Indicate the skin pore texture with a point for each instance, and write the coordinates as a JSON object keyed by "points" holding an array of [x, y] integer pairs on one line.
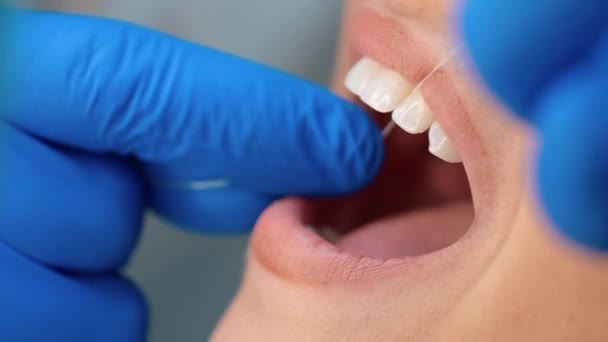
{"points": [[504, 277]]}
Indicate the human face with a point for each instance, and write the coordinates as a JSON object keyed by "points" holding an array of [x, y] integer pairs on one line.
{"points": [[431, 251]]}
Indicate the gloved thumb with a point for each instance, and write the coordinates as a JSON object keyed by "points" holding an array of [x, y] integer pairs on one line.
{"points": [[573, 166], [546, 59]]}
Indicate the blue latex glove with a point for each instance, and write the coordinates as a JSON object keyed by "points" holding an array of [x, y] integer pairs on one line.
{"points": [[548, 60], [100, 119]]}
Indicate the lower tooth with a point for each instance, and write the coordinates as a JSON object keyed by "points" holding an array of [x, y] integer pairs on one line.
{"points": [[441, 146]]}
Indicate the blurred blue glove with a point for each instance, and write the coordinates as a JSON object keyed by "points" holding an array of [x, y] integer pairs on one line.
{"points": [[101, 119], [548, 60]]}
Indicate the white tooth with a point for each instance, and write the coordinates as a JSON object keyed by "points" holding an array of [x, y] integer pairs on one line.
{"points": [[413, 114], [440, 145], [385, 90], [360, 74]]}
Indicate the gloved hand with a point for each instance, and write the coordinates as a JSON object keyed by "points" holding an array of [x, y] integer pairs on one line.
{"points": [[102, 119], [548, 60]]}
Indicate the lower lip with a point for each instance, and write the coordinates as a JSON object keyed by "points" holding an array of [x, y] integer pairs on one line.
{"points": [[283, 245]]}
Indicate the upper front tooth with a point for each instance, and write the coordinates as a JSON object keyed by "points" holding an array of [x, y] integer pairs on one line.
{"points": [[413, 114], [360, 74], [441, 146], [385, 90]]}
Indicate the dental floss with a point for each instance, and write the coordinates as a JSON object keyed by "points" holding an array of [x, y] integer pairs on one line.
{"points": [[389, 127]]}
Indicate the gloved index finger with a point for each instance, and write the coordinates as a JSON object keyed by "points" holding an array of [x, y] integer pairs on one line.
{"points": [[187, 112]]}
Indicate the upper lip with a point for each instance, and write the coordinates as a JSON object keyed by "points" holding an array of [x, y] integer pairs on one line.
{"points": [[397, 45], [282, 243]]}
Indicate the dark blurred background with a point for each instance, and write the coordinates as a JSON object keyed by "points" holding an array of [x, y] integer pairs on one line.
{"points": [[190, 279]]}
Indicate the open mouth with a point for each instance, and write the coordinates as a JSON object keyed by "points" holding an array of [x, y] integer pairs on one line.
{"points": [[421, 200], [429, 195], [420, 203], [417, 205]]}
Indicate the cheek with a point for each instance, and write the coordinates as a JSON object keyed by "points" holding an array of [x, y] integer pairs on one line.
{"points": [[537, 289]]}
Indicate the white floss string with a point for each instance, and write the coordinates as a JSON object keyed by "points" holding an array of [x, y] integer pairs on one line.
{"points": [[389, 127]]}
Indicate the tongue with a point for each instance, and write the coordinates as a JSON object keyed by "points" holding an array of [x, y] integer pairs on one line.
{"points": [[410, 234]]}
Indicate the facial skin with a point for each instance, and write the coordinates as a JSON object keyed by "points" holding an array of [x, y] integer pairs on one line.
{"points": [[508, 278]]}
